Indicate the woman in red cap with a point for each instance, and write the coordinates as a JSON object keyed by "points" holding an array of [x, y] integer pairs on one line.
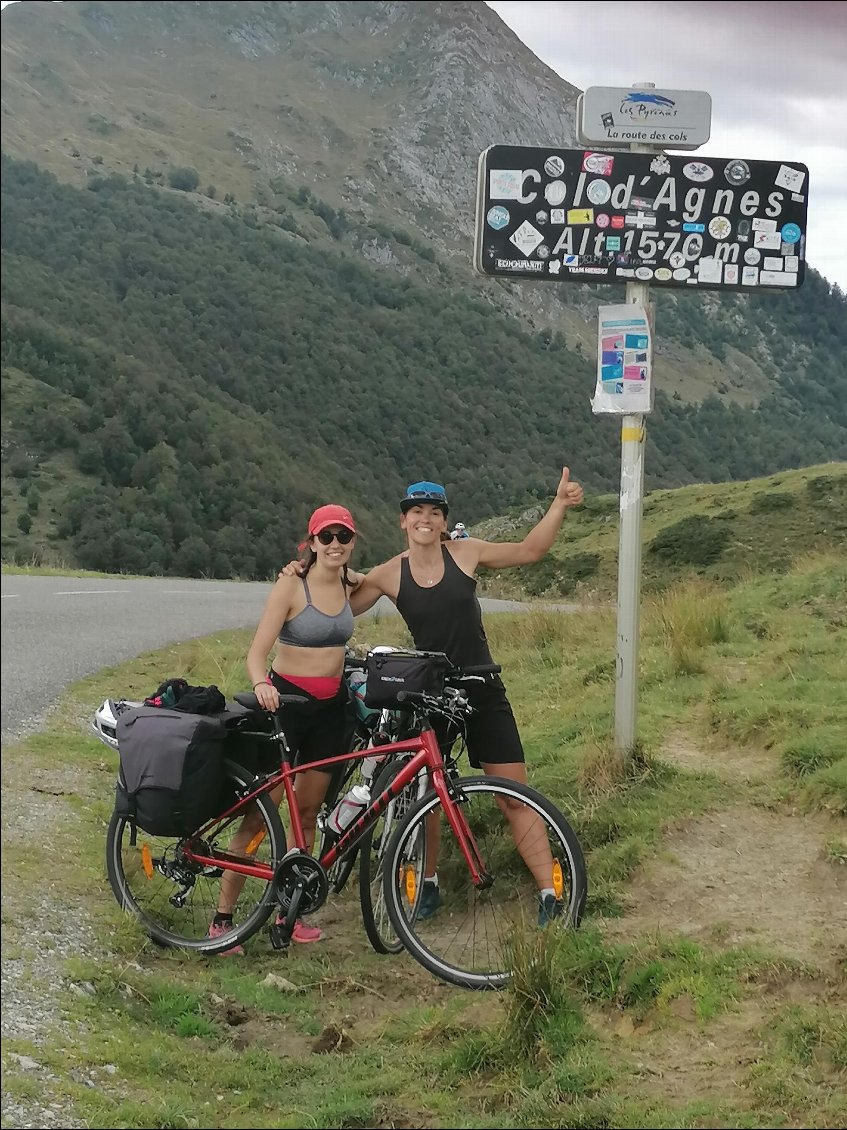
{"points": [[308, 618]]}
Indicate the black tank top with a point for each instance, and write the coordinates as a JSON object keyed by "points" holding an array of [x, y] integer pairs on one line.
{"points": [[446, 617]]}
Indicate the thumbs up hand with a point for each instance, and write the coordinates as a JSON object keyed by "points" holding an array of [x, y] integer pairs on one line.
{"points": [[570, 493]]}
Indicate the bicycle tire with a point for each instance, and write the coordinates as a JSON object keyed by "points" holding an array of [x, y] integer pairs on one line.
{"points": [[372, 852], [146, 877], [469, 941]]}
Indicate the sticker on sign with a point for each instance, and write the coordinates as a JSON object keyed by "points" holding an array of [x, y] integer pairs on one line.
{"points": [[526, 238]]}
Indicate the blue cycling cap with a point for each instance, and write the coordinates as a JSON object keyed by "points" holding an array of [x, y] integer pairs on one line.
{"points": [[424, 492]]}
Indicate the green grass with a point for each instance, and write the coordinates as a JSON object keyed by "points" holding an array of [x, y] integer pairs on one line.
{"points": [[723, 532], [166, 1040]]}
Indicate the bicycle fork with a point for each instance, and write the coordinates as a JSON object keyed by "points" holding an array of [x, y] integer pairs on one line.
{"points": [[451, 801]]}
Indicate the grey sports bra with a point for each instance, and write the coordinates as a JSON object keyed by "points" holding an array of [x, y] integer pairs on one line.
{"points": [[313, 628]]}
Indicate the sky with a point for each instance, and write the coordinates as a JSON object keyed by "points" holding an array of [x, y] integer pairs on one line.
{"points": [[776, 72]]}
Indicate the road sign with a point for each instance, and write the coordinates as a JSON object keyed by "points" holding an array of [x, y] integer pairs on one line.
{"points": [[623, 115], [710, 223]]}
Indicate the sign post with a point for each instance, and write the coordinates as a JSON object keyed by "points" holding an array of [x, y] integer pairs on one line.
{"points": [[623, 210], [631, 505]]}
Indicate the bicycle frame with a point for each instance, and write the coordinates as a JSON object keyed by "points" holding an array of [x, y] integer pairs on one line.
{"points": [[425, 755]]}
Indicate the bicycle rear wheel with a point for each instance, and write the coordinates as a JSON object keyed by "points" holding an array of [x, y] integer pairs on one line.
{"points": [[175, 899], [372, 853], [470, 940]]}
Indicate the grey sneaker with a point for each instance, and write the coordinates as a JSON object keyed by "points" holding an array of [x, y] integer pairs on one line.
{"points": [[430, 900], [549, 909]]}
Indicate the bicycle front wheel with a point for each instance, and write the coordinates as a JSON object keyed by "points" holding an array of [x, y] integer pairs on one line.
{"points": [[175, 899], [373, 850], [524, 844]]}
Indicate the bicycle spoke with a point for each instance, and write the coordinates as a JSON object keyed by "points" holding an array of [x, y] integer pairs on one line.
{"points": [[375, 917], [470, 938], [175, 899]]}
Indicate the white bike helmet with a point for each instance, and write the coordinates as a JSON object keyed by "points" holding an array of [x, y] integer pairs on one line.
{"points": [[105, 720]]}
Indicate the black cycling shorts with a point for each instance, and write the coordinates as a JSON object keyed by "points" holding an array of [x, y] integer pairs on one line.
{"points": [[491, 731], [321, 728]]}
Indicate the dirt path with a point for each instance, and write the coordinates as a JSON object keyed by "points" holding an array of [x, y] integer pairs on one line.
{"points": [[745, 874]]}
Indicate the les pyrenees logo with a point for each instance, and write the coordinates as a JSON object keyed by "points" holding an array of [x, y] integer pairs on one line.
{"points": [[642, 104]]}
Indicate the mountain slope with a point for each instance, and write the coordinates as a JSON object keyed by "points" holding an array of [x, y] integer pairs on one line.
{"points": [[181, 389], [363, 100], [192, 358], [378, 108]]}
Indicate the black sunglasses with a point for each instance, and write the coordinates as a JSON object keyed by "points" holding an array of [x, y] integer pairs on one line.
{"points": [[342, 536]]}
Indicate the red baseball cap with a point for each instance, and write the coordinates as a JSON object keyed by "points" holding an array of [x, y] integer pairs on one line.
{"points": [[330, 515]]}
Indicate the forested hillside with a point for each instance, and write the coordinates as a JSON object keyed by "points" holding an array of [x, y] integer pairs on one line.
{"points": [[255, 293], [181, 386]]}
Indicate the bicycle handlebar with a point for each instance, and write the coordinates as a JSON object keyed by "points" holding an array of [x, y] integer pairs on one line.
{"points": [[353, 663], [473, 672], [414, 696]]}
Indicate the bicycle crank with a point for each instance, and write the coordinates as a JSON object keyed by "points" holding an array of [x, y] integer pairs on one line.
{"points": [[300, 883]]}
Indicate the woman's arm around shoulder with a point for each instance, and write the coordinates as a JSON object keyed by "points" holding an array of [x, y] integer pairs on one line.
{"points": [[374, 584]]}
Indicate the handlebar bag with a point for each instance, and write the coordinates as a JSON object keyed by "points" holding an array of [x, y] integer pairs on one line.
{"points": [[170, 777], [389, 672]]}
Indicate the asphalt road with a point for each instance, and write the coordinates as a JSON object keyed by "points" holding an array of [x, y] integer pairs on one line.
{"points": [[56, 630]]}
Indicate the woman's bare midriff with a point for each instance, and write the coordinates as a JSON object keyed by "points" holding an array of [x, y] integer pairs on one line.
{"points": [[309, 662]]}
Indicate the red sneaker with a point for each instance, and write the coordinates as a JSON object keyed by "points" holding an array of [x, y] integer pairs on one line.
{"points": [[303, 933], [217, 930]]}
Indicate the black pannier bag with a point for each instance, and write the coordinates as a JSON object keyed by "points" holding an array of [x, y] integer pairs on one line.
{"points": [[389, 672], [245, 748], [171, 776]]}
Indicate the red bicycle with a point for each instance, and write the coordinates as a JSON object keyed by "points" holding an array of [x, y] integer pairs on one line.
{"points": [[500, 843]]}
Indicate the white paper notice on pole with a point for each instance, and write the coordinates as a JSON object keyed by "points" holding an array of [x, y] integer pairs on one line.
{"points": [[624, 362]]}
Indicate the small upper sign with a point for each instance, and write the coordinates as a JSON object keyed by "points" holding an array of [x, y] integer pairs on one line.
{"points": [[620, 115]]}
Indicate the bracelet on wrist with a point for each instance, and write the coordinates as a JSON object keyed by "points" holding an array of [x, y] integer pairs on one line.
{"points": [[259, 683]]}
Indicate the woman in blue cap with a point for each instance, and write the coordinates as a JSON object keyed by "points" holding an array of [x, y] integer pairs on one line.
{"points": [[433, 586]]}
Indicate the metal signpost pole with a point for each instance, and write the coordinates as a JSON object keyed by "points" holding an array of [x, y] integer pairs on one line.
{"points": [[633, 436], [633, 439]]}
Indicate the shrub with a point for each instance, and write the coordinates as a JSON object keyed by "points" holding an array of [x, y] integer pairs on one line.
{"points": [[696, 540], [579, 566], [769, 501], [184, 178], [825, 485]]}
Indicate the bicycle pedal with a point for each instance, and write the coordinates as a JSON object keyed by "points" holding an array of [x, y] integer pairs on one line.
{"points": [[280, 936]]}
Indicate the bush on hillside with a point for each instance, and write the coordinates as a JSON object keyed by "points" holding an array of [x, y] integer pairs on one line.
{"points": [[696, 540], [184, 178], [769, 501]]}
